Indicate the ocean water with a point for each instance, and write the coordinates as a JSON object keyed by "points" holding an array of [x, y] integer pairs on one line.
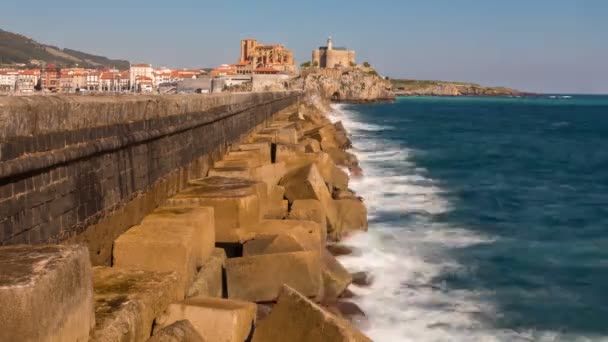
{"points": [[488, 218]]}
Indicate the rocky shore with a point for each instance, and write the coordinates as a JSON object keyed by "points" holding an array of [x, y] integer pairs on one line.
{"points": [[443, 88], [246, 253]]}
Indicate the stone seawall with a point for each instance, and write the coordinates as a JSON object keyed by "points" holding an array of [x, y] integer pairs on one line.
{"points": [[86, 168]]}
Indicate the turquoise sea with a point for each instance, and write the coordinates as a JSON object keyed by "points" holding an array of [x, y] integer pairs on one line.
{"points": [[488, 217]]}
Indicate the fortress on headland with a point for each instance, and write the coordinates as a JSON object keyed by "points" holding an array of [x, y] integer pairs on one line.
{"points": [[332, 57]]}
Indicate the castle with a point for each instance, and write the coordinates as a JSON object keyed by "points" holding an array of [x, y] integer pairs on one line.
{"points": [[261, 56], [332, 57]]}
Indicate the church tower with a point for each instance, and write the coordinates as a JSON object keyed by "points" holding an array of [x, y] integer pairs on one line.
{"points": [[329, 43]]}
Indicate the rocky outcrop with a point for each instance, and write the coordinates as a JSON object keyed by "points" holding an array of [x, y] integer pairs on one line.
{"points": [[348, 85], [442, 88]]}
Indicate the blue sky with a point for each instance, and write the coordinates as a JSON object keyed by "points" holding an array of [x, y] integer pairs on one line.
{"points": [[533, 45]]}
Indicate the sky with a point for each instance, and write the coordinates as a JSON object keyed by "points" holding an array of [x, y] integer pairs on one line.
{"points": [[552, 46]]}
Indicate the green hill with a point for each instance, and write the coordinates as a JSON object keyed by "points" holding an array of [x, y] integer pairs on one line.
{"points": [[16, 48]]}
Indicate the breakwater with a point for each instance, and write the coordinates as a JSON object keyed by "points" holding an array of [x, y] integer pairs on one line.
{"points": [[234, 207]]}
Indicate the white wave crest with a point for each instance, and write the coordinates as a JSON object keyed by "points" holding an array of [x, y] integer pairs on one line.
{"points": [[405, 302]]}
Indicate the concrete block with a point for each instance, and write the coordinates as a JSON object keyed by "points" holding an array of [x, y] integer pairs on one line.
{"points": [[46, 293], [180, 331], [264, 149], [310, 210], [218, 320], [295, 318], [231, 172], [307, 183], [235, 201], [208, 281], [159, 248], [352, 216], [200, 218], [335, 277], [127, 301], [309, 234], [270, 174], [259, 278]]}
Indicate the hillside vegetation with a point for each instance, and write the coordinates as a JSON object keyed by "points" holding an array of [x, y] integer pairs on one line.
{"points": [[16, 48]]}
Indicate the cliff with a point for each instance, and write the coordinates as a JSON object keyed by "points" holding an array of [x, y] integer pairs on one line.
{"points": [[350, 85], [443, 88]]}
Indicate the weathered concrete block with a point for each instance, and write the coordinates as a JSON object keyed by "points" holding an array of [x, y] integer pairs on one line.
{"points": [[289, 154], [208, 281], [281, 243], [352, 216], [310, 235], [259, 278], [311, 145], [307, 183], [46, 293], [264, 148], [297, 319], [335, 277], [180, 331], [235, 201], [231, 172], [200, 218], [270, 174], [127, 301], [277, 207], [310, 210], [159, 248], [221, 320], [255, 158]]}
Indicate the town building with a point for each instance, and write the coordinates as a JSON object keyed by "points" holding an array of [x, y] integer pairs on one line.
{"points": [[223, 70], [137, 70], [49, 78], [267, 56], [8, 80], [333, 57], [27, 80]]}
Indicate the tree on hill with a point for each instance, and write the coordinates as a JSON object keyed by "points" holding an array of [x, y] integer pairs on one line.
{"points": [[367, 65], [306, 64]]}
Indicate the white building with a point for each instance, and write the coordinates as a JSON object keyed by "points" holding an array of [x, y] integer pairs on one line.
{"points": [[8, 79], [140, 70]]}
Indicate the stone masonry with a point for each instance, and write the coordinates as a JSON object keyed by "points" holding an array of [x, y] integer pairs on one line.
{"points": [[84, 169]]}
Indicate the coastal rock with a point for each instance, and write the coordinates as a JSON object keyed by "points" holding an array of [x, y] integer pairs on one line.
{"points": [[297, 319], [363, 279], [354, 85], [180, 331]]}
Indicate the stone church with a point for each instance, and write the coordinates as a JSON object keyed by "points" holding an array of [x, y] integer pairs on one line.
{"points": [[333, 57]]}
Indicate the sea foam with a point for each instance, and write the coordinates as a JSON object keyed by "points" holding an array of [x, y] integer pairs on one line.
{"points": [[406, 256]]}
